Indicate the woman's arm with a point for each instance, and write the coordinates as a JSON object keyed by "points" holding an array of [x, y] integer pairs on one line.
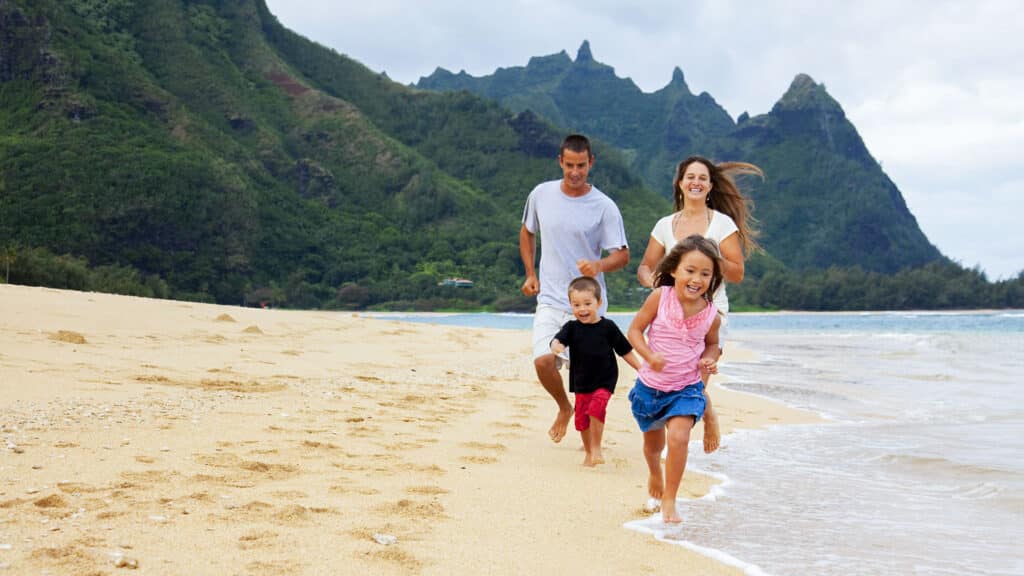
{"points": [[732, 258], [652, 255]]}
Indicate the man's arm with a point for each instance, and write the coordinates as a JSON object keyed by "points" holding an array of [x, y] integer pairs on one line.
{"points": [[527, 252], [614, 261]]}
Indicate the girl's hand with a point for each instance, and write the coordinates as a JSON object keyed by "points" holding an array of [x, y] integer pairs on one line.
{"points": [[709, 365], [657, 362]]}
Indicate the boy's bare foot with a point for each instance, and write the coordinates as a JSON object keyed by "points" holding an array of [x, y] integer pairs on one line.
{"points": [[668, 512], [557, 431], [655, 486], [589, 462], [711, 434]]}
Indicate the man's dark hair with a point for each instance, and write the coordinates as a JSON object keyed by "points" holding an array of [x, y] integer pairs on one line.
{"points": [[575, 143]]}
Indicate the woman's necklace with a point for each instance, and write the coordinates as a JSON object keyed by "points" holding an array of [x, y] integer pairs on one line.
{"points": [[683, 215]]}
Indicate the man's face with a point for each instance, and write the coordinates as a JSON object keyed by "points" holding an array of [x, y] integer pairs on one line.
{"points": [[575, 167]]}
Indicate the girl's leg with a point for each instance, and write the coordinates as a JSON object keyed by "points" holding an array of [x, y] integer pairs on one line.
{"points": [[712, 436], [654, 443], [677, 433]]}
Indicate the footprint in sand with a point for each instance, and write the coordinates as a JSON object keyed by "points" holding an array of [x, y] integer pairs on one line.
{"points": [[225, 318], [257, 539]]}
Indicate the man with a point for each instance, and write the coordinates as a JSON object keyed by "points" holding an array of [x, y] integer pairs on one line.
{"points": [[576, 223]]}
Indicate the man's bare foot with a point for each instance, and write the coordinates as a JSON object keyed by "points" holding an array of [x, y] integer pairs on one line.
{"points": [[668, 512], [711, 434], [655, 486], [557, 431]]}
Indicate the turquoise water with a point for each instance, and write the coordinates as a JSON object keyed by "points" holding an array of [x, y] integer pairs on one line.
{"points": [[918, 469], [898, 322]]}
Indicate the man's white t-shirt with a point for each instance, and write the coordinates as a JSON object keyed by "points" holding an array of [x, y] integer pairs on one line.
{"points": [[570, 228]]}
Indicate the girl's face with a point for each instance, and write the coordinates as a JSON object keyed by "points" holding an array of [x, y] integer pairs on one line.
{"points": [[696, 182], [693, 275]]}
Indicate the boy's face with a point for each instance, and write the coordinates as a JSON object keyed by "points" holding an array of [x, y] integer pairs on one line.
{"points": [[585, 306]]}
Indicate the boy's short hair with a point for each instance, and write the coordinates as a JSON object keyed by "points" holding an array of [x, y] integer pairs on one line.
{"points": [[585, 284]]}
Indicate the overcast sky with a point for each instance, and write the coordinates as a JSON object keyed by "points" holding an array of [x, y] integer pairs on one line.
{"points": [[935, 88]]}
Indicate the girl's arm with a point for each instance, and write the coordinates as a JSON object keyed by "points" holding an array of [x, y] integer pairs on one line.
{"points": [[709, 359], [732, 258], [640, 322]]}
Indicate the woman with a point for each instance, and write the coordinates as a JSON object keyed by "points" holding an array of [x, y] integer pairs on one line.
{"points": [[709, 203]]}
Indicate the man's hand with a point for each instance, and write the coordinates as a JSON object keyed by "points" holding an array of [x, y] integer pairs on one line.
{"points": [[531, 287], [589, 267]]}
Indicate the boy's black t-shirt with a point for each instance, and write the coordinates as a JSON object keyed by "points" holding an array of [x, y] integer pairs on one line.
{"points": [[592, 349]]}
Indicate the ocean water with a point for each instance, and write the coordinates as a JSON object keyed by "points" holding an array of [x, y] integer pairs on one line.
{"points": [[918, 468]]}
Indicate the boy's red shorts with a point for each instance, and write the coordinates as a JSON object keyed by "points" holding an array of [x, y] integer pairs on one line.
{"points": [[591, 404]]}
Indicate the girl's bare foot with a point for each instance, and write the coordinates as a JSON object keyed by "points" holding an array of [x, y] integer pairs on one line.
{"points": [[711, 433], [655, 486], [668, 512]]}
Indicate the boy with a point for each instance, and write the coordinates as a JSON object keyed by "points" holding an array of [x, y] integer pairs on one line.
{"points": [[593, 342]]}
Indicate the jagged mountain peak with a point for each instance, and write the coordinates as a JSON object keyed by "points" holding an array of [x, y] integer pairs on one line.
{"points": [[584, 54], [804, 93]]}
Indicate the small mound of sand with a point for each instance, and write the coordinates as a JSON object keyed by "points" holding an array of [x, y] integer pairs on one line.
{"points": [[51, 501], [254, 329], [68, 336], [225, 318]]}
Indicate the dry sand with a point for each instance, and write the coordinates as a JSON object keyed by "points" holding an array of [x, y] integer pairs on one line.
{"points": [[183, 438]]}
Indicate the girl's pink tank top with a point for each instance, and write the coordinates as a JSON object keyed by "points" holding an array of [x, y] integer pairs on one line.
{"points": [[679, 340]]}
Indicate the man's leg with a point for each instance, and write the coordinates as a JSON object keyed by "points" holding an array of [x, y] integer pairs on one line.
{"points": [[551, 379]]}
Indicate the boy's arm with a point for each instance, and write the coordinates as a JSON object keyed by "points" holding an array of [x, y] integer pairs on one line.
{"points": [[633, 359], [557, 347]]}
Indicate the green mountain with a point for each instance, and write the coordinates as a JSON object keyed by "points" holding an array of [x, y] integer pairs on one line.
{"points": [[199, 149], [825, 202]]}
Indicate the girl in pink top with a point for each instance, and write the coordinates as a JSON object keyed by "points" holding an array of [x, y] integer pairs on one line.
{"points": [[682, 325]]}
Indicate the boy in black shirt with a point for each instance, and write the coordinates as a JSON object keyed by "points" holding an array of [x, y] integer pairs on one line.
{"points": [[593, 342]]}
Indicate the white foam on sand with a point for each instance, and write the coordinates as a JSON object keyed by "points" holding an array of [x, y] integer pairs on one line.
{"points": [[675, 534]]}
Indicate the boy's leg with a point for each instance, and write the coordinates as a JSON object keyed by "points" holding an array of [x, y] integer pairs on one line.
{"points": [[596, 432], [654, 443], [583, 425], [677, 436], [597, 410]]}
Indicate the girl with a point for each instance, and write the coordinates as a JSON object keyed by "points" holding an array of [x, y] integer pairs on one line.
{"points": [[682, 342], [710, 203]]}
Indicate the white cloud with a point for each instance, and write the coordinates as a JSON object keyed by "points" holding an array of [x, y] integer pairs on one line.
{"points": [[933, 87]]}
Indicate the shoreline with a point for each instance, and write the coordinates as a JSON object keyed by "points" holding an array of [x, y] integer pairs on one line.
{"points": [[295, 442]]}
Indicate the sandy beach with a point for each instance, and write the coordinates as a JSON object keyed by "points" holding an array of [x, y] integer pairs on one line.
{"points": [[185, 438]]}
